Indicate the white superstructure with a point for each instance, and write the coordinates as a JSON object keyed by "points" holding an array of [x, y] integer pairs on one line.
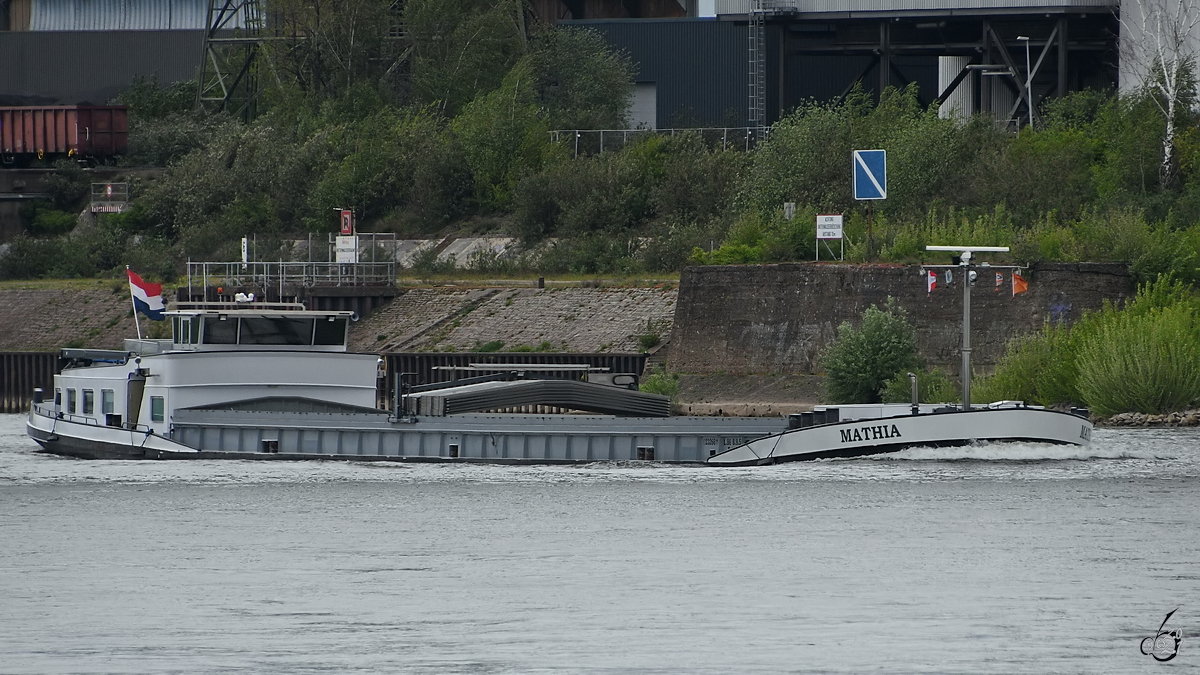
{"points": [[217, 354]]}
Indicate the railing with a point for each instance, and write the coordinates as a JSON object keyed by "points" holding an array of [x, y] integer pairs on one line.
{"points": [[266, 275], [47, 410], [375, 252], [596, 141]]}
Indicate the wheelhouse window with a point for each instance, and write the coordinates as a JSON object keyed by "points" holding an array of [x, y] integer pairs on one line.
{"points": [[220, 330], [58, 398], [330, 331], [71, 401], [186, 330], [276, 331], [157, 408], [271, 330], [89, 402], [106, 401]]}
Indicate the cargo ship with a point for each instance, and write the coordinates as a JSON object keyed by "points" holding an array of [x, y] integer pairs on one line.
{"points": [[247, 380], [261, 381], [274, 382]]}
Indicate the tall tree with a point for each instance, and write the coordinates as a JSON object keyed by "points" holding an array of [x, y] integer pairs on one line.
{"points": [[462, 48], [582, 83], [326, 47], [1158, 46]]}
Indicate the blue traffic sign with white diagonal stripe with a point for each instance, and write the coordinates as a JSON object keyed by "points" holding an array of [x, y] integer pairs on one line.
{"points": [[870, 174]]}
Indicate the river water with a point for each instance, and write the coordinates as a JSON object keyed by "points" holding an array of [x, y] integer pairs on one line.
{"points": [[998, 559]]}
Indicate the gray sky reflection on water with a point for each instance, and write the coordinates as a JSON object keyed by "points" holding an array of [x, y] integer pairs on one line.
{"points": [[992, 560]]}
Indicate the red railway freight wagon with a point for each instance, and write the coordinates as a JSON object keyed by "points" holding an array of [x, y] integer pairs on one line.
{"points": [[94, 131]]}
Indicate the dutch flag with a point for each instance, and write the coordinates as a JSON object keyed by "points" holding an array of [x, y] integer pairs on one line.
{"points": [[147, 297]]}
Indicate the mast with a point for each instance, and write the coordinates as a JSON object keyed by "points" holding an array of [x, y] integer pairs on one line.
{"points": [[966, 329], [965, 254]]}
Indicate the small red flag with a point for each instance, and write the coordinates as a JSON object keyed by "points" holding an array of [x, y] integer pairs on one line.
{"points": [[1019, 285], [930, 281]]}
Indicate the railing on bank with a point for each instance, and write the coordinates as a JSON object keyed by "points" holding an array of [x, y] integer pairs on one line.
{"points": [[596, 141], [277, 275], [375, 254]]}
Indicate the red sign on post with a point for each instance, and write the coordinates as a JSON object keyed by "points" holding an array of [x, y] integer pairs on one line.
{"points": [[347, 222]]}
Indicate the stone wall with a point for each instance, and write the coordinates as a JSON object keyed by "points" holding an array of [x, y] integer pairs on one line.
{"points": [[778, 318]]}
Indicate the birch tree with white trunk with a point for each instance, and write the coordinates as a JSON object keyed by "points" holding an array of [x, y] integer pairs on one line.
{"points": [[1158, 48]]}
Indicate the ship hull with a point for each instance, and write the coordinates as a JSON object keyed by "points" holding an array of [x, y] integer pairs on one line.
{"points": [[862, 437]]}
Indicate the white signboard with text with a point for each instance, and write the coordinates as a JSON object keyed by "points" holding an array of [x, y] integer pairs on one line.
{"points": [[829, 226], [347, 250]]}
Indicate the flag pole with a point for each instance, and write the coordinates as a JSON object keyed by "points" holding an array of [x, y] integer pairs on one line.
{"points": [[132, 302]]}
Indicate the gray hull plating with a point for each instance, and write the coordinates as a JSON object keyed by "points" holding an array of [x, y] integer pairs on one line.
{"points": [[496, 438]]}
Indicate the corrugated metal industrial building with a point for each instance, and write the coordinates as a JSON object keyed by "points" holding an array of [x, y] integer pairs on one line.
{"points": [[699, 69], [696, 66], [968, 54], [91, 67], [77, 15], [847, 8], [690, 72]]}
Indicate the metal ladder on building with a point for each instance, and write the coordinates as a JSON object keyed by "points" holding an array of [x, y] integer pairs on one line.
{"points": [[757, 14]]}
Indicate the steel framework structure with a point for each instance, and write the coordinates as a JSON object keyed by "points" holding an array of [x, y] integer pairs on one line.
{"points": [[232, 41]]}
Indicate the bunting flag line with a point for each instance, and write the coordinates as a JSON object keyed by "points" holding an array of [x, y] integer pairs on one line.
{"points": [[999, 281], [930, 282], [949, 277], [1019, 285]]}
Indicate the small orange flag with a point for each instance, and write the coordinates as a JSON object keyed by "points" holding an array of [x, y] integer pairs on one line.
{"points": [[1019, 285]]}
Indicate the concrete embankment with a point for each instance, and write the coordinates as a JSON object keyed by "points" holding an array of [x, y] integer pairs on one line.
{"points": [[565, 319], [745, 340], [38, 317]]}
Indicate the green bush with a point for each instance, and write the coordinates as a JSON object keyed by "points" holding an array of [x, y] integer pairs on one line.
{"points": [[859, 364], [1109, 359], [610, 193], [660, 383], [503, 138], [44, 221], [1039, 368], [30, 258], [933, 386], [593, 253], [582, 83], [1148, 363]]}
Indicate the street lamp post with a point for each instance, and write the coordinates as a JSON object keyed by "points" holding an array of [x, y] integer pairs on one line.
{"points": [[1028, 78]]}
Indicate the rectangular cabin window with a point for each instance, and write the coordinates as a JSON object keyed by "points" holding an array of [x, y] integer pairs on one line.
{"points": [[156, 408], [89, 402], [330, 331], [106, 401], [276, 331], [220, 331], [71, 401], [186, 330], [57, 398]]}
